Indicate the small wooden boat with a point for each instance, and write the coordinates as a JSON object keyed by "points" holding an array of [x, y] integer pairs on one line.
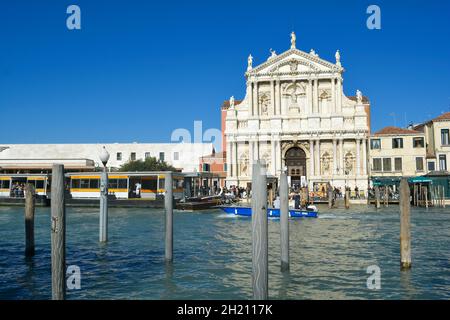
{"points": [[271, 212], [198, 203]]}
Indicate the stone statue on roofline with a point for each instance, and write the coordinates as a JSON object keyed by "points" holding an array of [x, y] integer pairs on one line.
{"points": [[232, 102], [293, 40], [250, 62], [338, 58], [273, 54], [359, 97]]}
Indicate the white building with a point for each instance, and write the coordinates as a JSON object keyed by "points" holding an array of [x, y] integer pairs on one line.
{"points": [[295, 114], [82, 157]]}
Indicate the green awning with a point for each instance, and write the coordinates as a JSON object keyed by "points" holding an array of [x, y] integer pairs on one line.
{"points": [[419, 180], [385, 181], [389, 181]]}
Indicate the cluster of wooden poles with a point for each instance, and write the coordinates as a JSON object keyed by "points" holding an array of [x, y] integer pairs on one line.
{"points": [[435, 196], [58, 230], [260, 279], [58, 227], [378, 196]]}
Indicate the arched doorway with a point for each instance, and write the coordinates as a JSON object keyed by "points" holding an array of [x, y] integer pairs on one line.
{"points": [[296, 165]]}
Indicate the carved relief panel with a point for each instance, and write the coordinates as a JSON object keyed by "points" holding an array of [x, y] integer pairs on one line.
{"points": [[294, 95]]}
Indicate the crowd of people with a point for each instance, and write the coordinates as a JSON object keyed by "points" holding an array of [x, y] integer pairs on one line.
{"points": [[295, 194], [18, 190]]}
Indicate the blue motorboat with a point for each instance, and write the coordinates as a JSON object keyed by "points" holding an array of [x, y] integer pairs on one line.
{"points": [[271, 212]]}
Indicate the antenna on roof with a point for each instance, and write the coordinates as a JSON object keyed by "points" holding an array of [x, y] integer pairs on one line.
{"points": [[392, 114]]}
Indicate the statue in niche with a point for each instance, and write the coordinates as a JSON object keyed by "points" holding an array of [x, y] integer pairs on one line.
{"points": [[265, 102], [348, 163], [244, 164], [267, 160], [326, 163]]}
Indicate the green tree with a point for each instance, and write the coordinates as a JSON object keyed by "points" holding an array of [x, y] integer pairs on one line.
{"points": [[149, 164]]}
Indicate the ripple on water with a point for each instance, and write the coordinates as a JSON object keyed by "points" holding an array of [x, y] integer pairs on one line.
{"points": [[212, 255]]}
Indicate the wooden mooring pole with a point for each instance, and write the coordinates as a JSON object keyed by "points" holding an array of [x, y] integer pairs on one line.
{"points": [[330, 196], [377, 197], [405, 225], [260, 263], [29, 220], [58, 234], [284, 221], [347, 199], [270, 198], [426, 196], [386, 196], [168, 203]]}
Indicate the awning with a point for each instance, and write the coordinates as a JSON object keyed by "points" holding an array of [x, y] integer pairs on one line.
{"points": [[385, 181], [419, 180]]}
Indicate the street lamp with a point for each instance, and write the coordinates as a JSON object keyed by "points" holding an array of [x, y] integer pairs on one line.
{"points": [[103, 232]]}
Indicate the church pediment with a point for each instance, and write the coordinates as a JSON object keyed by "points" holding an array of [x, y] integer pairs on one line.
{"points": [[294, 61]]}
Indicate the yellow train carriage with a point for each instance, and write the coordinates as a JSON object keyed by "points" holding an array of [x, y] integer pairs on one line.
{"points": [[125, 185], [40, 184], [14, 185], [5, 186], [150, 186], [88, 186]]}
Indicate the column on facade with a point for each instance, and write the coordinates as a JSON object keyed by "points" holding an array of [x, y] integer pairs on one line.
{"points": [[272, 154], [229, 153], [317, 166], [311, 157], [250, 98], [358, 158], [279, 96], [333, 95], [272, 97], [255, 99], [316, 96], [310, 97], [335, 156], [341, 156], [257, 150], [278, 156], [251, 152], [339, 95], [236, 160], [364, 152]]}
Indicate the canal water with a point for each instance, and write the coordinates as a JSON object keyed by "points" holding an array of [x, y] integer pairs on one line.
{"points": [[212, 255]]}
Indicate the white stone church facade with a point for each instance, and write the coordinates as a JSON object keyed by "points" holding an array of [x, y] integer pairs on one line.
{"points": [[296, 117]]}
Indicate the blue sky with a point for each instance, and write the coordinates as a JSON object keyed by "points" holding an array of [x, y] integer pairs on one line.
{"points": [[139, 69]]}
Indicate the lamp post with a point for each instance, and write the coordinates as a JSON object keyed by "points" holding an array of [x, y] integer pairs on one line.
{"points": [[103, 232]]}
